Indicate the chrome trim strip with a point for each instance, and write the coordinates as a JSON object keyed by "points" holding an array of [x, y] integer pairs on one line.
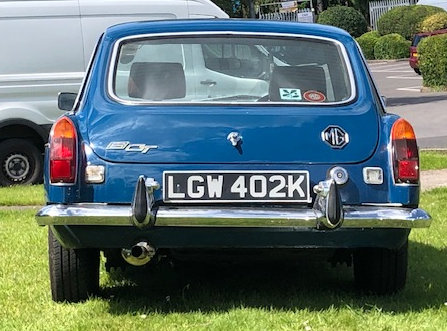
{"points": [[112, 66], [382, 204], [121, 215], [8, 78], [40, 85]]}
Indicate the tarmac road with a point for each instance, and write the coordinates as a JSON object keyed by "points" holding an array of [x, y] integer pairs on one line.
{"points": [[426, 111]]}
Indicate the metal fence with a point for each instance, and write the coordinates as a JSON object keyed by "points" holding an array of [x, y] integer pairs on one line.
{"points": [[378, 8], [301, 15]]}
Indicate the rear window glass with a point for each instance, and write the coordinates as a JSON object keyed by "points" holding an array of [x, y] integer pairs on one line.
{"points": [[416, 40], [230, 69]]}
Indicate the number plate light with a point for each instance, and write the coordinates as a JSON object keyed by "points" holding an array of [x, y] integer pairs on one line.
{"points": [[94, 174]]}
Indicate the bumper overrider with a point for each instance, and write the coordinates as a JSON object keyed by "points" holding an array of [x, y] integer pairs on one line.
{"points": [[326, 214]]}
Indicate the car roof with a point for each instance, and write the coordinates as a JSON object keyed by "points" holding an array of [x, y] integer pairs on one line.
{"points": [[222, 25], [431, 33]]}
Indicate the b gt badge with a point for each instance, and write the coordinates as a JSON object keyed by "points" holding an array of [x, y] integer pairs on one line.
{"points": [[335, 136], [128, 147]]}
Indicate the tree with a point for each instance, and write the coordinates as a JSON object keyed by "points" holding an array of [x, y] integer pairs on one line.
{"points": [[238, 8]]}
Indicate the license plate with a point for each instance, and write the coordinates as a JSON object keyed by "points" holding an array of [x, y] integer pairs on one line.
{"points": [[236, 186]]}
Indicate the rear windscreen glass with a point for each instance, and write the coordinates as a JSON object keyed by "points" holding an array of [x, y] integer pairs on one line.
{"points": [[226, 69]]}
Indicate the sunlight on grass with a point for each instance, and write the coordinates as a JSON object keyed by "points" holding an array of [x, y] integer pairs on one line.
{"points": [[309, 296], [433, 160], [22, 196]]}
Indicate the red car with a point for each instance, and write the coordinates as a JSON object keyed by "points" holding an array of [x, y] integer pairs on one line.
{"points": [[414, 58]]}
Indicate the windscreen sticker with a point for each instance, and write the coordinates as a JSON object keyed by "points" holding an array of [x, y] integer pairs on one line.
{"points": [[290, 94], [314, 96]]}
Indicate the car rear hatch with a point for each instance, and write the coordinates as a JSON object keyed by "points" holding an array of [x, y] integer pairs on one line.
{"points": [[198, 135], [234, 103]]}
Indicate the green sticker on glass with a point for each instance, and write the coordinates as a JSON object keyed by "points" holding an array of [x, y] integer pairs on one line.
{"points": [[290, 94]]}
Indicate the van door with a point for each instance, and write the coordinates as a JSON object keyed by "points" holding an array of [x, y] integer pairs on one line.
{"points": [[41, 52], [205, 9], [96, 16], [223, 68]]}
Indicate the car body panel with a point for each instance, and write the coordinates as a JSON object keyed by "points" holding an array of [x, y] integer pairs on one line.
{"points": [[414, 57], [201, 134], [194, 137]]}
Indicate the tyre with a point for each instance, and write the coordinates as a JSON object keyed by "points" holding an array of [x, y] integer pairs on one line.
{"points": [[20, 163], [74, 273], [381, 271]]}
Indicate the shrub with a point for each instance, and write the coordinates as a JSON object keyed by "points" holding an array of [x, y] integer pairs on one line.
{"points": [[405, 20], [367, 41], [434, 22], [392, 46], [346, 18], [433, 60]]}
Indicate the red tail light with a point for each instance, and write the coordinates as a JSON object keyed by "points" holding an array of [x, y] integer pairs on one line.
{"points": [[63, 142], [405, 153]]}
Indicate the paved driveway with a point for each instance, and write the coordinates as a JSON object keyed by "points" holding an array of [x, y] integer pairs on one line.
{"points": [[426, 111]]}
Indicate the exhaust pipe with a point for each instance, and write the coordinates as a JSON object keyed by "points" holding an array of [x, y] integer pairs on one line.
{"points": [[139, 254]]}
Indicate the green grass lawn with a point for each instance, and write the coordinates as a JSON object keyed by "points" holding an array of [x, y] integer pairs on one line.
{"points": [[22, 196], [306, 296], [432, 160]]}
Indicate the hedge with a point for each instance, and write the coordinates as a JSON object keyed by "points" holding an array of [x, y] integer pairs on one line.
{"points": [[392, 46], [346, 18], [405, 20], [433, 60], [367, 41], [434, 22]]}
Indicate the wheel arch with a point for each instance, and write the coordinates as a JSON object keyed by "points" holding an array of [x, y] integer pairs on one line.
{"points": [[24, 129]]}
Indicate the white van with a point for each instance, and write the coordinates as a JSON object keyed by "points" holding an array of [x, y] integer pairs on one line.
{"points": [[436, 3], [46, 46]]}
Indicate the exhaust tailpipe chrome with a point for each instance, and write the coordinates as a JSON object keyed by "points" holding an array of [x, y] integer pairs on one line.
{"points": [[139, 254]]}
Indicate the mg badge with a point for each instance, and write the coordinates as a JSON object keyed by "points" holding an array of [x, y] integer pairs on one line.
{"points": [[335, 136]]}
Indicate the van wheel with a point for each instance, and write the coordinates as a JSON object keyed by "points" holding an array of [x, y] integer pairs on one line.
{"points": [[20, 163], [74, 273], [381, 271]]}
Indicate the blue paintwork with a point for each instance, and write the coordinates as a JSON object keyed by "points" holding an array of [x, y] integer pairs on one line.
{"points": [[193, 137], [199, 134]]}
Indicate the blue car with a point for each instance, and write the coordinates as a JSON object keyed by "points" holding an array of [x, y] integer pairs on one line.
{"points": [[228, 135]]}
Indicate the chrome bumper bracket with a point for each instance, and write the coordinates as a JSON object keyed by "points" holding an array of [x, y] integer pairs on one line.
{"points": [[329, 202], [143, 204]]}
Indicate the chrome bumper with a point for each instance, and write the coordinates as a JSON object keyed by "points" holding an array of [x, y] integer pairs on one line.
{"points": [[120, 215]]}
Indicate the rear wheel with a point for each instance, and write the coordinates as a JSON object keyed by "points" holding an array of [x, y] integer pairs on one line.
{"points": [[74, 273], [380, 270], [20, 162]]}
